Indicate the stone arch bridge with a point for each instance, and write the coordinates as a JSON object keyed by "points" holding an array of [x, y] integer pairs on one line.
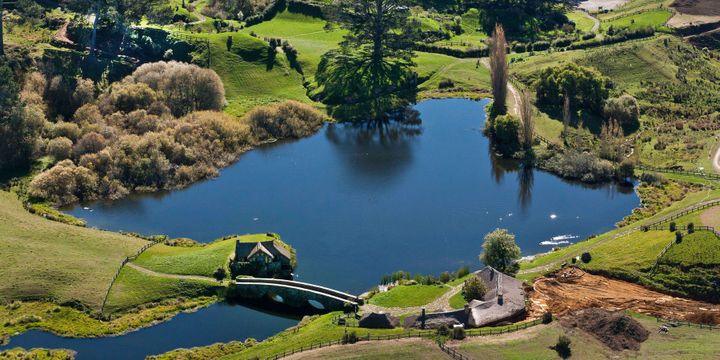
{"points": [[294, 294]]}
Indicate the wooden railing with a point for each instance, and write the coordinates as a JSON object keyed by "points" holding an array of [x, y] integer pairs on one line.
{"points": [[701, 174], [452, 352]]}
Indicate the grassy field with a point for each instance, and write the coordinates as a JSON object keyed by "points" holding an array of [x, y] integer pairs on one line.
{"points": [[576, 249], [405, 349], [535, 343], [582, 22], [699, 248], [409, 295], [66, 321], [133, 288], [457, 301], [37, 354], [645, 247], [307, 34], [251, 77], [43, 259], [653, 18]]}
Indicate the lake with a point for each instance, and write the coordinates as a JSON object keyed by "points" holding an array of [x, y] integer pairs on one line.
{"points": [[360, 201]]}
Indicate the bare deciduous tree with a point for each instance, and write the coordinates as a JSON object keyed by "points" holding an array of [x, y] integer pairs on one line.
{"points": [[499, 69], [566, 115], [526, 117]]}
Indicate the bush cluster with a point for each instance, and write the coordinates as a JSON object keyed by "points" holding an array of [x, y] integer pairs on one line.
{"points": [[582, 166], [156, 129]]}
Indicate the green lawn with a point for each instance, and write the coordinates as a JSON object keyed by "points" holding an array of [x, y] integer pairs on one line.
{"points": [[195, 260], [652, 18], [305, 33], [700, 248], [47, 259], [582, 22], [249, 76], [614, 254], [133, 288], [409, 295], [457, 301]]}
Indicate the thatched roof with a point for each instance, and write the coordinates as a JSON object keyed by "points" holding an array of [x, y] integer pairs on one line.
{"points": [[378, 321]]}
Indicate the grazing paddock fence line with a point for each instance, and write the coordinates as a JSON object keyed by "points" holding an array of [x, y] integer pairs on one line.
{"points": [[666, 248], [122, 264], [452, 352], [701, 174], [428, 334]]}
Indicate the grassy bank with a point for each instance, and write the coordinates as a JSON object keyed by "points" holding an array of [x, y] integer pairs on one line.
{"points": [[65, 321], [43, 259]]}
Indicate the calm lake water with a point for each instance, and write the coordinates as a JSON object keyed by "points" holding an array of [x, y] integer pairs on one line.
{"points": [[358, 202]]}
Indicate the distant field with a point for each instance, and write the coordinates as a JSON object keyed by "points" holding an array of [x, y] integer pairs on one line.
{"points": [[653, 18], [46, 259], [249, 76], [582, 22], [305, 33]]}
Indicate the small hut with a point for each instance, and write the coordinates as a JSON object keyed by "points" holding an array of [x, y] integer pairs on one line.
{"points": [[378, 321]]}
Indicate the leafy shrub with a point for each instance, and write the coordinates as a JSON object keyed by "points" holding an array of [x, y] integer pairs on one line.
{"points": [[289, 119], [349, 337], [473, 289], [652, 178], [446, 84], [174, 79], [673, 226], [547, 317], [59, 148], [586, 257], [458, 333], [625, 110], [443, 330], [579, 165], [562, 347], [463, 271], [506, 134], [678, 237], [586, 86], [220, 274], [444, 277], [589, 35], [540, 45], [690, 228], [562, 42]]}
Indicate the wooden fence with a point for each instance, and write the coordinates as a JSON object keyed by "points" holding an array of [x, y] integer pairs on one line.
{"points": [[452, 352], [122, 264], [411, 334], [668, 246], [701, 174]]}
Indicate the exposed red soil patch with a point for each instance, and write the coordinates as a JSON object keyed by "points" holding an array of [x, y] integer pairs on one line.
{"points": [[614, 329], [572, 289]]}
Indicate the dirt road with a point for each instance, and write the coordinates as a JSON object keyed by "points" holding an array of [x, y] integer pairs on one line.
{"points": [[572, 289]]}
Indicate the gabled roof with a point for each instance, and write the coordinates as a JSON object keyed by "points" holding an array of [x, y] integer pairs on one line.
{"points": [[269, 247], [259, 248]]}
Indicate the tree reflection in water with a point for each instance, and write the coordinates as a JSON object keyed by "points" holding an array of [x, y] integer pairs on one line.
{"points": [[377, 150]]}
